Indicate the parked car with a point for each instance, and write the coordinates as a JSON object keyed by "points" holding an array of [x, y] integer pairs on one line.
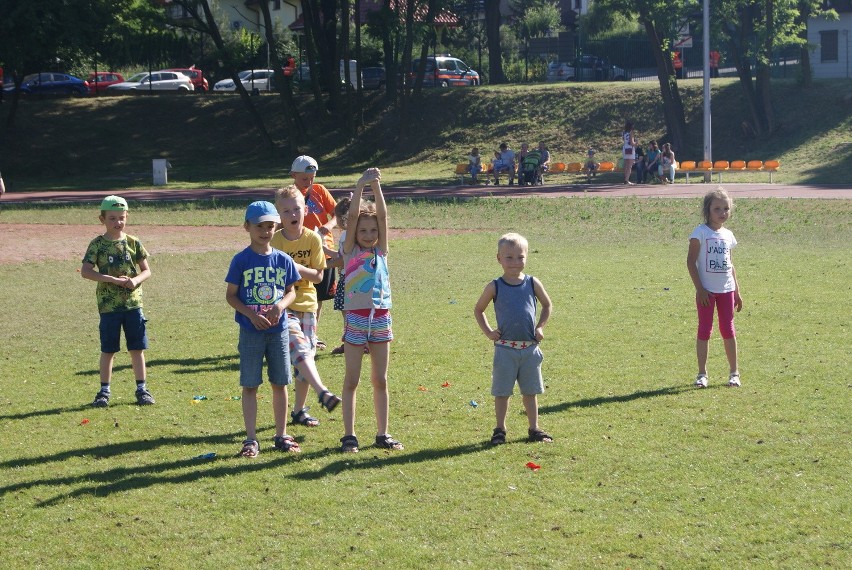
{"points": [[373, 77], [98, 82], [594, 68], [260, 79], [559, 72], [445, 71], [195, 75], [50, 83], [157, 81]]}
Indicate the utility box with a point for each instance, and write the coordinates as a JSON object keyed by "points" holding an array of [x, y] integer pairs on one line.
{"points": [[161, 171]]}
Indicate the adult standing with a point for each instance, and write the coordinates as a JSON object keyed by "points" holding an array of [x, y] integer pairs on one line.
{"points": [[628, 150]]}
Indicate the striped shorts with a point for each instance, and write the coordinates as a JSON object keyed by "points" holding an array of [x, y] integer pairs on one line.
{"points": [[367, 325]]}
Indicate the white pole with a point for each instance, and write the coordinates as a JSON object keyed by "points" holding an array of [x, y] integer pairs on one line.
{"points": [[708, 142]]}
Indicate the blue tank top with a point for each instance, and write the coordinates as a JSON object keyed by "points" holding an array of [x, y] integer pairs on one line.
{"points": [[514, 307]]}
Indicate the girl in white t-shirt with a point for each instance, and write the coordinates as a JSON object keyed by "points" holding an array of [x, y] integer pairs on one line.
{"points": [[711, 267], [628, 152]]}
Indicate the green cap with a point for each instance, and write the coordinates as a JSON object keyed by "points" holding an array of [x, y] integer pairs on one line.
{"points": [[114, 204]]}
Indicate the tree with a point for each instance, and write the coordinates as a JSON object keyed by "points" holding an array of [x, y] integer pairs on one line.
{"points": [[493, 19]]}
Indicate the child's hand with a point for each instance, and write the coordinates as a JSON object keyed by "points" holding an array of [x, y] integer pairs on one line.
{"points": [[260, 322], [703, 297], [539, 334], [494, 335], [369, 176], [738, 301], [273, 315]]}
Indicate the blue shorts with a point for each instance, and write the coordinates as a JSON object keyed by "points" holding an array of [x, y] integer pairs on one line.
{"points": [[135, 332], [253, 347], [521, 365]]}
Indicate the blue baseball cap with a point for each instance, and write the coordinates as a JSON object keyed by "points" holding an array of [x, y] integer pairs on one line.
{"points": [[261, 211]]}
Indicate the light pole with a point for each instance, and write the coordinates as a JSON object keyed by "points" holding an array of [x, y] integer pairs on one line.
{"points": [[705, 32]]}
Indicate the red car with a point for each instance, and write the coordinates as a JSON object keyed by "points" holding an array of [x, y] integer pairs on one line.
{"points": [[98, 82], [195, 75]]}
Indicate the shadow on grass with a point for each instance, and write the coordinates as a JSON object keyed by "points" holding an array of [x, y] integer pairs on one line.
{"points": [[187, 365], [599, 401], [48, 412]]}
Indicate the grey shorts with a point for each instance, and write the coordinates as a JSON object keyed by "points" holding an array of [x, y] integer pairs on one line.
{"points": [[517, 365]]}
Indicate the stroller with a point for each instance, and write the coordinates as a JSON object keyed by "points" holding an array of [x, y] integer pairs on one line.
{"points": [[530, 169]]}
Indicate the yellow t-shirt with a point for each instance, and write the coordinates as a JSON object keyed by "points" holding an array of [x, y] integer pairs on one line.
{"points": [[306, 251]]}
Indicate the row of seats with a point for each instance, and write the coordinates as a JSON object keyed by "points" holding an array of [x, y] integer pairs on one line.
{"points": [[687, 167], [720, 166]]}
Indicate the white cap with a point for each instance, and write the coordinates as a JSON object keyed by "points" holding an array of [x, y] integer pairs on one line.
{"points": [[304, 163]]}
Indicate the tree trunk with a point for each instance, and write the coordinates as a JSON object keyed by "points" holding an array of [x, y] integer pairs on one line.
{"points": [[495, 53], [310, 15], [739, 35], [672, 103], [295, 127]]}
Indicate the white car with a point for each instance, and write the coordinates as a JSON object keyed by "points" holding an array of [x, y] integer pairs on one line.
{"points": [[260, 79], [559, 72], [157, 81]]}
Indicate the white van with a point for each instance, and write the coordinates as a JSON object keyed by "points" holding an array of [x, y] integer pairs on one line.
{"points": [[353, 73]]}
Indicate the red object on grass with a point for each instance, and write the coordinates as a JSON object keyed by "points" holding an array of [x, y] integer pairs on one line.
{"points": [[533, 466]]}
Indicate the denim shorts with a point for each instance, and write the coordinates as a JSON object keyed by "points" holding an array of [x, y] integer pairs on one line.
{"points": [[253, 347], [523, 366], [135, 332]]}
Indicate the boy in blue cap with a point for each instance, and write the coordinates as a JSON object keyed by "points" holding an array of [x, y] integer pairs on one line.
{"points": [[260, 288], [119, 263]]}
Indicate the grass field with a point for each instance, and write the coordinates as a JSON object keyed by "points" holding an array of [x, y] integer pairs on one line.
{"points": [[645, 472]]}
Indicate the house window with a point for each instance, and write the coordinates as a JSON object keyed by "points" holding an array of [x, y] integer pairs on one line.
{"points": [[828, 46], [276, 4]]}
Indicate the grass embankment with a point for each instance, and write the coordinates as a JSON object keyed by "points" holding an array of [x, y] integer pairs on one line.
{"points": [[108, 143]]}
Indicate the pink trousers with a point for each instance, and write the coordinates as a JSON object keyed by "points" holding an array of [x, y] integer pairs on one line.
{"points": [[724, 304]]}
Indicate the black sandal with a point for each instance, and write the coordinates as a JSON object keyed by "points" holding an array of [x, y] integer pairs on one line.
{"points": [[328, 400], [286, 443], [539, 436], [387, 442], [349, 444], [498, 437], [302, 417]]}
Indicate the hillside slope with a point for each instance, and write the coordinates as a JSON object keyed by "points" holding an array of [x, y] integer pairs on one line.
{"points": [[208, 139]]}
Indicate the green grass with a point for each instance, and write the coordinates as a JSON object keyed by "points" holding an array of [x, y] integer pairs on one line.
{"points": [[108, 143], [646, 472]]}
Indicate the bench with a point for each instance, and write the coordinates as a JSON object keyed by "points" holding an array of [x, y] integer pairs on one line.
{"points": [[718, 167], [463, 169]]}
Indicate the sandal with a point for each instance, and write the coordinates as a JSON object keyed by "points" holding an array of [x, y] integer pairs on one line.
{"points": [[387, 442], [321, 345], [302, 417], [328, 400], [286, 443], [349, 444], [540, 436], [250, 448], [339, 350], [498, 437]]}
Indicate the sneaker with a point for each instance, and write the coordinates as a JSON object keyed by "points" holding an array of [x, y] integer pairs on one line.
{"points": [[701, 381], [734, 380], [101, 400], [144, 397]]}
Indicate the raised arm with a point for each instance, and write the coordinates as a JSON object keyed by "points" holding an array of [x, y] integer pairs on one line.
{"points": [[352, 218], [381, 210]]}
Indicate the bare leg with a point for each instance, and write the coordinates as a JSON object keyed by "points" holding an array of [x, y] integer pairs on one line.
{"points": [[731, 353], [106, 367], [137, 361], [249, 401], [353, 354], [702, 348], [279, 408], [379, 359], [501, 410], [531, 407]]}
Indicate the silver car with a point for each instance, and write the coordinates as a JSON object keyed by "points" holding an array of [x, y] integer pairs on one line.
{"points": [[157, 81], [260, 79], [559, 72]]}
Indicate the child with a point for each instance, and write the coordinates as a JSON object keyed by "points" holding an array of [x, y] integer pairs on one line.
{"points": [[366, 309], [667, 164], [474, 164], [305, 247], [119, 263], [497, 166], [517, 356], [591, 167], [319, 217], [341, 212], [711, 267], [260, 288]]}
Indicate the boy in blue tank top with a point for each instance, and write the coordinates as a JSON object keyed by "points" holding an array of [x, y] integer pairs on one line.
{"points": [[517, 357]]}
